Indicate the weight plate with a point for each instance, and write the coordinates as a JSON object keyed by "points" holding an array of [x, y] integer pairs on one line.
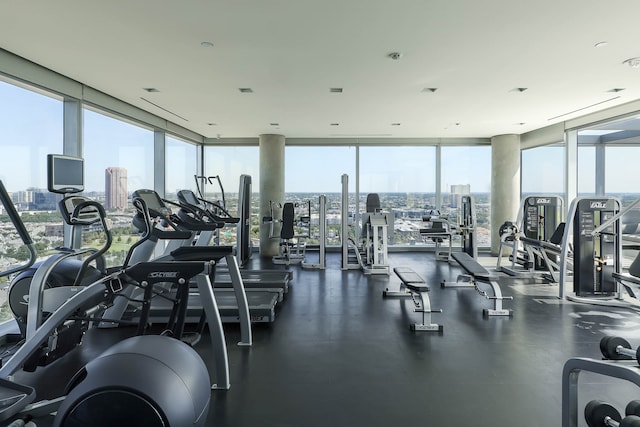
{"points": [[633, 408], [596, 411], [612, 345]]}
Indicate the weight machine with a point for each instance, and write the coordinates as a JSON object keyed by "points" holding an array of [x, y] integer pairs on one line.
{"points": [[290, 222], [371, 253], [592, 234], [534, 239]]}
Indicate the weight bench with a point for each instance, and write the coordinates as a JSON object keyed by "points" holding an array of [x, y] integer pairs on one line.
{"points": [[477, 273], [418, 290]]}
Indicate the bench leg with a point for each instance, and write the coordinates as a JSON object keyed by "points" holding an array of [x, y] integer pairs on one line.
{"points": [[425, 309], [497, 302]]}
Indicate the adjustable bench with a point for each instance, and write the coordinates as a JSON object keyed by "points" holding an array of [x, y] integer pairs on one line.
{"points": [[418, 290], [477, 273]]}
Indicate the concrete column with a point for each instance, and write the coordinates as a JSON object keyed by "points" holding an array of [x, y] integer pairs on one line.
{"points": [[271, 186], [505, 184]]}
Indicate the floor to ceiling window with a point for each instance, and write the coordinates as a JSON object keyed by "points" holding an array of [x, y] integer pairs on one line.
{"points": [[181, 166], [31, 124], [311, 171], [119, 159], [405, 179], [228, 163], [467, 170]]}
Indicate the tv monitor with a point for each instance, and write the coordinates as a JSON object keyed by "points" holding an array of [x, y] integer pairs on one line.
{"points": [[65, 174]]}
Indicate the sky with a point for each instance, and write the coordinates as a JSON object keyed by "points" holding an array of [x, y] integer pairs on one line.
{"points": [[31, 128]]}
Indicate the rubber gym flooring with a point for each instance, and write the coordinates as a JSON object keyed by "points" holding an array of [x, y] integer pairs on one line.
{"points": [[339, 355]]}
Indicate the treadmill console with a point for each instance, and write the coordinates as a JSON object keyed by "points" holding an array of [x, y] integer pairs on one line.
{"points": [[155, 205]]}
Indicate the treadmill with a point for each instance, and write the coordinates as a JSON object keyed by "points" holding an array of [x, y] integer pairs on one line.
{"points": [[234, 304], [193, 208]]}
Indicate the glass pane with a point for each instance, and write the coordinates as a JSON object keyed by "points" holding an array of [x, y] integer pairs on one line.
{"points": [[312, 171], [586, 170], [404, 178], [118, 160], [621, 177], [543, 170], [467, 170], [31, 126], [228, 163], [181, 164]]}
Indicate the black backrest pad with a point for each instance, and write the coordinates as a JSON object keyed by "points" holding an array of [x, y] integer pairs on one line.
{"points": [[556, 237], [287, 221]]}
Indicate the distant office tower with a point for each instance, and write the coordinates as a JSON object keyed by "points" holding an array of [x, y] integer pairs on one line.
{"points": [[115, 191], [457, 191]]}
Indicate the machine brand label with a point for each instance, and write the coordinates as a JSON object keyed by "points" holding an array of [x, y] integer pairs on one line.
{"points": [[543, 201], [598, 205], [163, 275]]}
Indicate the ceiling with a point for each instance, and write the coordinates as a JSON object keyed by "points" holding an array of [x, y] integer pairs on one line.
{"points": [[478, 56]]}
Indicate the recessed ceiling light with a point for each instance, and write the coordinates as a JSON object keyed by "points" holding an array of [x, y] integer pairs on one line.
{"points": [[334, 124], [616, 89], [206, 44], [150, 89], [274, 124], [245, 90], [395, 124], [430, 89], [335, 90], [632, 62], [601, 44], [212, 124], [521, 124], [518, 89]]}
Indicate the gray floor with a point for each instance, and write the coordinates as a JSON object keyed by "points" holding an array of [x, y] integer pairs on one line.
{"points": [[341, 355]]}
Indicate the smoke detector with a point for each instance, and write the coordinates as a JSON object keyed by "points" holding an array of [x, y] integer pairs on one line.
{"points": [[395, 55]]}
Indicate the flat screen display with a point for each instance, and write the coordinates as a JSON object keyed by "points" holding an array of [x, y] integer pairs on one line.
{"points": [[65, 174]]}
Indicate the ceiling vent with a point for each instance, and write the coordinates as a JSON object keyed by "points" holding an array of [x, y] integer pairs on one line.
{"points": [[335, 90]]}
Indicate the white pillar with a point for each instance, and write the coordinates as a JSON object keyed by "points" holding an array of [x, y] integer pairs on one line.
{"points": [[271, 186], [505, 183]]}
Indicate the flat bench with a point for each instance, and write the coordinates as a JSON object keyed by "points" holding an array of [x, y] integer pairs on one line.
{"points": [[418, 290], [477, 273]]}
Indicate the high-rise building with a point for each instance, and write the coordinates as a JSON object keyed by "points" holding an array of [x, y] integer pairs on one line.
{"points": [[115, 191]]}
